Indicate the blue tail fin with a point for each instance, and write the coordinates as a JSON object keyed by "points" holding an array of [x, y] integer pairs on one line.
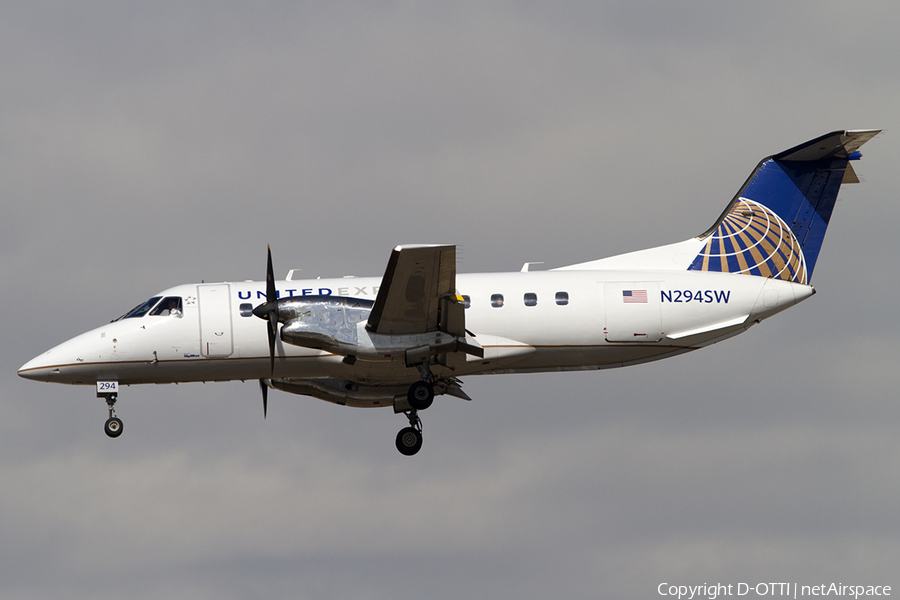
{"points": [[775, 225]]}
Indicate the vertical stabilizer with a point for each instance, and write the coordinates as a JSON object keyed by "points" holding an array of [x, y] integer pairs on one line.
{"points": [[775, 225]]}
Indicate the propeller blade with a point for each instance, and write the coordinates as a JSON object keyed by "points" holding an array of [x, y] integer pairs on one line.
{"points": [[271, 292], [271, 308], [273, 325], [268, 310], [265, 395]]}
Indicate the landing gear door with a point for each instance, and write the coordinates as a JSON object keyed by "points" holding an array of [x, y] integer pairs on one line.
{"points": [[632, 312], [215, 320]]}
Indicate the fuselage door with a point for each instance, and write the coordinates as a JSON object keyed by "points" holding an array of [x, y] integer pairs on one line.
{"points": [[632, 312], [215, 320]]}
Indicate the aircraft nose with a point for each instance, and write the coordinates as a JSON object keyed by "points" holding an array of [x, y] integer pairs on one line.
{"points": [[75, 361], [36, 369], [60, 364]]}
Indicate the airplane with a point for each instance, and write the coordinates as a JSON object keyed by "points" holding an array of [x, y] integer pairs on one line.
{"points": [[400, 340]]}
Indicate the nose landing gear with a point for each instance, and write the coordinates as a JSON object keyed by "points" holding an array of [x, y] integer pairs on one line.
{"points": [[110, 391], [113, 426]]}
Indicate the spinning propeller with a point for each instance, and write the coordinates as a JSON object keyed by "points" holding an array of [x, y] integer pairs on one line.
{"points": [[268, 310]]}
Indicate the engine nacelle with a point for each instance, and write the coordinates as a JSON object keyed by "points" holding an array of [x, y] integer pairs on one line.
{"points": [[323, 322], [338, 325]]}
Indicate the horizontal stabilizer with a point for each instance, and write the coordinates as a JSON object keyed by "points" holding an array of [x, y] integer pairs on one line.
{"points": [[837, 144]]}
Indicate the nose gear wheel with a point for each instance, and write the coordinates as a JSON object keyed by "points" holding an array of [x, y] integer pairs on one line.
{"points": [[113, 426]]}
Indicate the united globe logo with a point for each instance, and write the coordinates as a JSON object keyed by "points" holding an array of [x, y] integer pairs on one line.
{"points": [[753, 240]]}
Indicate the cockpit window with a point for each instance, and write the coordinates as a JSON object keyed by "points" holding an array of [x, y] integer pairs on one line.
{"points": [[169, 307], [141, 309]]}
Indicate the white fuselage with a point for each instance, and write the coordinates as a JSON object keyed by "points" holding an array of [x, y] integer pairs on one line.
{"points": [[404, 338], [546, 321]]}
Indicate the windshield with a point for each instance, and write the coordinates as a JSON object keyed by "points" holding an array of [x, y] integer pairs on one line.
{"points": [[141, 309]]}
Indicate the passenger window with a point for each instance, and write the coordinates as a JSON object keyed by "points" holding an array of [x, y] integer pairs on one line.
{"points": [[562, 298], [246, 309], [496, 300], [169, 307], [530, 299], [467, 302]]}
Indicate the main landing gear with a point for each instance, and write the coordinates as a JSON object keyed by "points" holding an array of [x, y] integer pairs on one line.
{"points": [[110, 391], [409, 440], [420, 396]]}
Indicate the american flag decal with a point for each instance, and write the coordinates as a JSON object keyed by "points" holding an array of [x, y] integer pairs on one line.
{"points": [[634, 296]]}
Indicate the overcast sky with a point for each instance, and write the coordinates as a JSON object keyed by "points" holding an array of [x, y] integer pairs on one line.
{"points": [[143, 145]]}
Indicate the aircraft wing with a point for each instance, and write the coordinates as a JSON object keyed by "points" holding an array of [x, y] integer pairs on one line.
{"points": [[418, 293]]}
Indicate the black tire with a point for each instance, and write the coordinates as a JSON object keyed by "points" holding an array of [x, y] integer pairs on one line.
{"points": [[420, 395], [113, 427], [409, 441]]}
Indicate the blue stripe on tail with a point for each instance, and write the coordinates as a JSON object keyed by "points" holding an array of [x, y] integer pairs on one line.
{"points": [[803, 194]]}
